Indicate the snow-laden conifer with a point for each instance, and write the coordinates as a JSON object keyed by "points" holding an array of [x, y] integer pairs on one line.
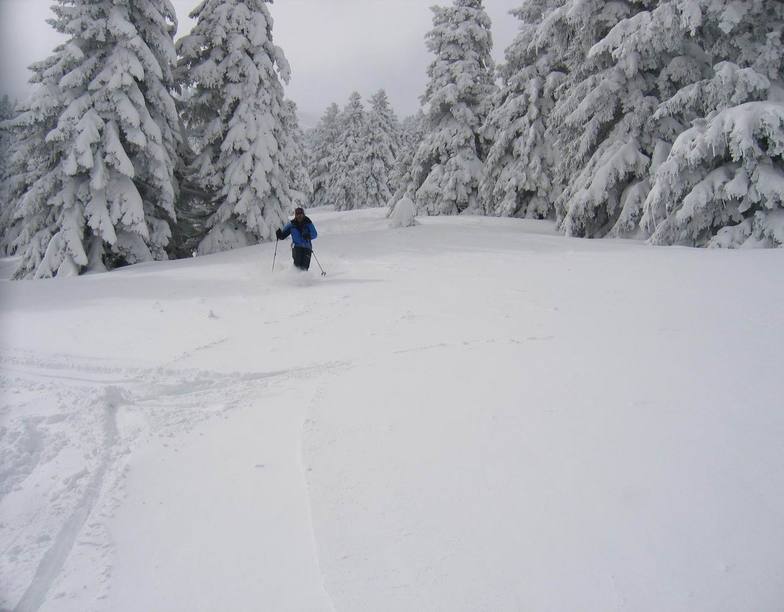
{"points": [[644, 122], [519, 166], [6, 137], [348, 188], [722, 183], [33, 177], [237, 106], [8, 225], [295, 157], [383, 146], [600, 123], [447, 167], [322, 154], [99, 188]]}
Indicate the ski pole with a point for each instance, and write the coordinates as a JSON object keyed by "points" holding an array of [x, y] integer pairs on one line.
{"points": [[319, 265], [275, 255]]}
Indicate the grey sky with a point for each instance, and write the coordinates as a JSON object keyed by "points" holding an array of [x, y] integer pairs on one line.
{"points": [[334, 46]]}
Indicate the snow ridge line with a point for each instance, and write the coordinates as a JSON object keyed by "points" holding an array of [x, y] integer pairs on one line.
{"points": [[54, 559]]}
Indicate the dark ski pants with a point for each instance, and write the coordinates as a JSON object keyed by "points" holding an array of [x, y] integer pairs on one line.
{"points": [[301, 257]]}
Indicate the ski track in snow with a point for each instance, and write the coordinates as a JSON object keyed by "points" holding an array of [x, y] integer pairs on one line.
{"points": [[307, 421], [54, 559], [469, 344], [101, 404]]}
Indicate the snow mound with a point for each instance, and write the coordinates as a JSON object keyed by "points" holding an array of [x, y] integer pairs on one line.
{"points": [[403, 213]]}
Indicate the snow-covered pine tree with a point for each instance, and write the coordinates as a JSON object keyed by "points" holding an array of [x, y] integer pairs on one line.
{"points": [[6, 113], [7, 223], [447, 166], [234, 70], [295, 156], [383, 148], [99, 187], [722, 183], [518, 170], [348, 189], [322, 154], [33, 174], [412, 131], [600, 123], [157, 24]]}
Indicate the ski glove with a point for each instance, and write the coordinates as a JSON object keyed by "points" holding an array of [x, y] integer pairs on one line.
{"points": [[306, 234], [279, 234]]}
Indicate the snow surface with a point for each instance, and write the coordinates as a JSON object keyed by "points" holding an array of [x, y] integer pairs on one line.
{"points": [[470, 414]]}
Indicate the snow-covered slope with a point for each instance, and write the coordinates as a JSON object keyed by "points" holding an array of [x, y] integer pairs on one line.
{"points": [[469, 414]]}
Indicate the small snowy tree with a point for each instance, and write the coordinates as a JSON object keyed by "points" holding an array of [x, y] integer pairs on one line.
{"points": [[99, 186], [322, 154], [403, 213], [234, 69], [447, 166], [348, 188], [518, 170], [383, 145]]}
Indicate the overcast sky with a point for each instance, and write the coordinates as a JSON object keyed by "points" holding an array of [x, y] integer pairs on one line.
{"points": [[334, 46]]}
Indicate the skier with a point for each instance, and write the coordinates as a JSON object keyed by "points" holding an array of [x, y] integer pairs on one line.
{"points": [[302, 231]]}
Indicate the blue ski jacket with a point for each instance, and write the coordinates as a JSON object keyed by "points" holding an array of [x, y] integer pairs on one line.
{"points": [[301, 233]]}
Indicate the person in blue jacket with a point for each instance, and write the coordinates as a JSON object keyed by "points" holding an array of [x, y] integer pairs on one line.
{"points": [[302, 231]]}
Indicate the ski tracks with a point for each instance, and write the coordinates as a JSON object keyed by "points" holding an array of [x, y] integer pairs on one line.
{"points": [[55, 556], [307, 424], [56, 499]]}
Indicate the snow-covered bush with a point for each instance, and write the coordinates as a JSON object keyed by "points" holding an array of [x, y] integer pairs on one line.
{"points": [[224, 237], [403, 213]]}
